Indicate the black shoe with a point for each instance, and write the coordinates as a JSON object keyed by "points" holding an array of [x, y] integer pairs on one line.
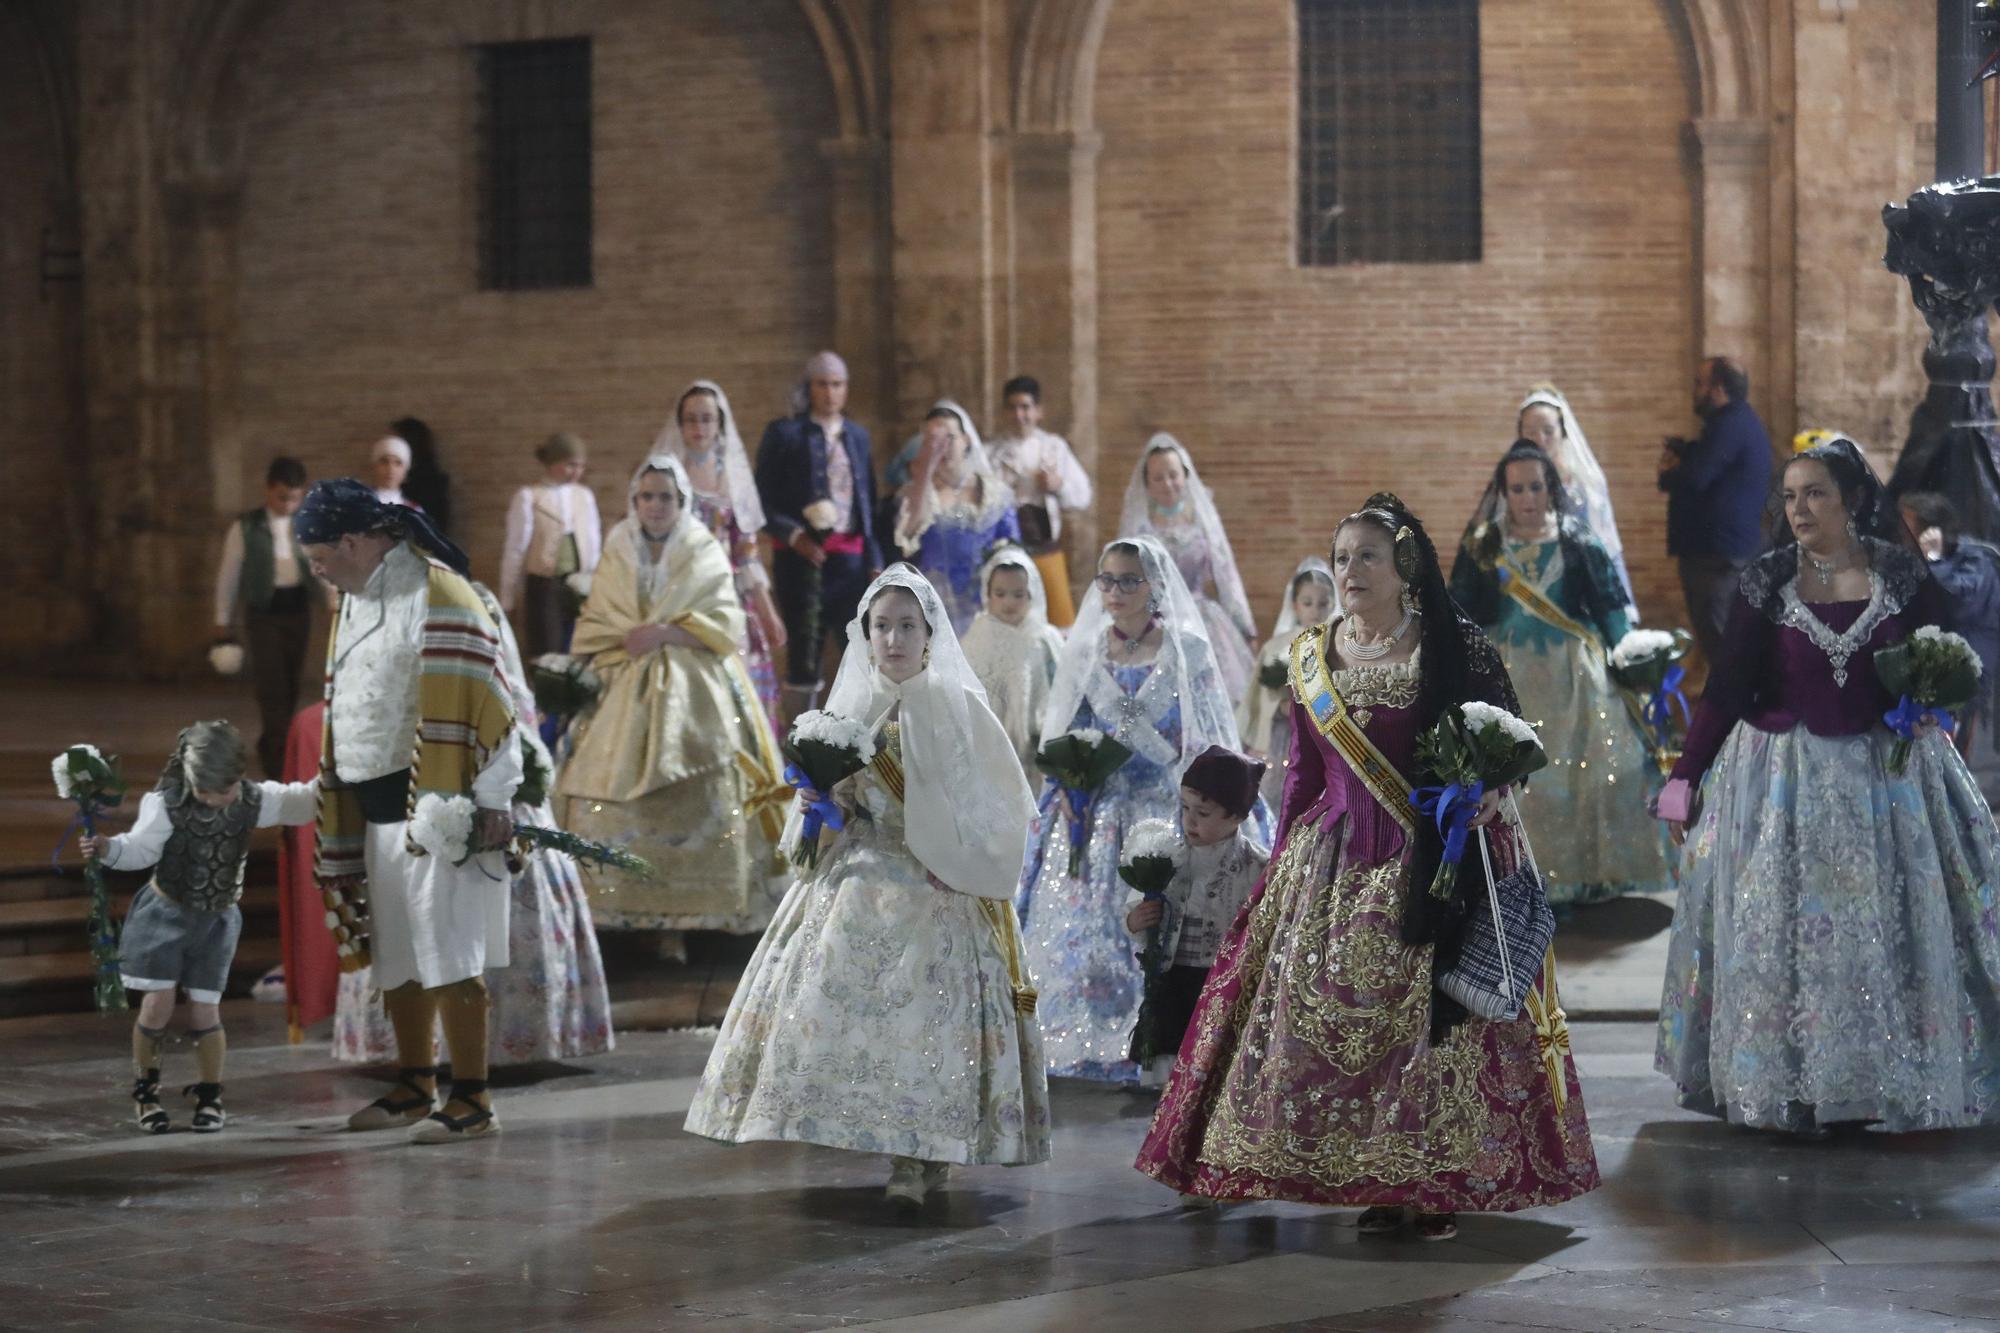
{"points": [[153, 1117], [208, 1113]]}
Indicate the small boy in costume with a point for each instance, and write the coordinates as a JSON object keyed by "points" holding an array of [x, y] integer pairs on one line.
{"points": [[194, 831], [1223, 866]]}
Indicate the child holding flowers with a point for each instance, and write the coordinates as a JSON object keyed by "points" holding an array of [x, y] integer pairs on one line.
{"points": [[193, 831], [1183, 925], [1137, 673]]}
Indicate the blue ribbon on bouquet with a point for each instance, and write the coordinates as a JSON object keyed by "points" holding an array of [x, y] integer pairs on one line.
{"points": [[86, 817], [1079, 808], [1454, 808], [822, 812], [1658, 710], [1904, 717]]}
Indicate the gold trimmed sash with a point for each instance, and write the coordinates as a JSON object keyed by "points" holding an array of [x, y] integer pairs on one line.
{"points": [[887, 766], [1539, 605], [1312, 683], [1007, 934]]}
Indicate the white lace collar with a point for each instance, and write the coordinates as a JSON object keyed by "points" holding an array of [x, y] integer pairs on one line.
{"points": [[1839, 648]]}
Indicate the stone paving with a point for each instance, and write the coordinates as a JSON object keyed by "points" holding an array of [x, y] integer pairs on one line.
{"points": [[593, 1210]]}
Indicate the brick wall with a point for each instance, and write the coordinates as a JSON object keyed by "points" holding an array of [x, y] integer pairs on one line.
{"points": [[358, 297], [1302, 390]]}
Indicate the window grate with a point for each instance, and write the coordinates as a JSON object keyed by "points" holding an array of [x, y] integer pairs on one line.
{"points": [[534, 165], [1388, 131]]}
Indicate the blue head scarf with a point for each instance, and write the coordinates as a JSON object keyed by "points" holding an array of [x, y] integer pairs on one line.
{"points": [[333, 509]]}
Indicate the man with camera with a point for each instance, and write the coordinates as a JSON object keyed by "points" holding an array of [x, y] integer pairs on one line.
{"points": [[1716, 486]]}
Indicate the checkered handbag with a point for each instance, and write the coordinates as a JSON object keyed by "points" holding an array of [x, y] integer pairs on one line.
{"points": [[1506, 938]]}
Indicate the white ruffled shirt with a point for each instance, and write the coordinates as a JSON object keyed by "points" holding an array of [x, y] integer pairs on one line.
{"points": [[288, 803], [1020, 460], [536, 522]]}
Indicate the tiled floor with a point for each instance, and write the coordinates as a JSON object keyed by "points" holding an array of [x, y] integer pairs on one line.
{"points": [[593, 1210]]}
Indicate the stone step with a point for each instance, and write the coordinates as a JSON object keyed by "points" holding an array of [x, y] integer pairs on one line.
{"points": [[54, 925], [30, 882], [57, 983]]}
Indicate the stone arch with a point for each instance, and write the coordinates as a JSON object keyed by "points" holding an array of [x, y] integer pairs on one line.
{"points": [[1726, 56], [1738, 167], [846, 35], [204, 136], [1055, 65]]}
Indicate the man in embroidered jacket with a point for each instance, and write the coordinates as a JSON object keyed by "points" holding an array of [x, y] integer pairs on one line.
{"points": [[417, 703]]}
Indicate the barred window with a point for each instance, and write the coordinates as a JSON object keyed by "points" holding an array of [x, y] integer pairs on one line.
{"points": [[534, 164], [1388, 131]]}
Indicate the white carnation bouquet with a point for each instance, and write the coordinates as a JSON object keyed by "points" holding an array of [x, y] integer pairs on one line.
{"points": [[1152, 855], [443, 827], [84, 774], [1647, 662], [1477, 749], [822, 750], [564, 685], [1933, 672]]}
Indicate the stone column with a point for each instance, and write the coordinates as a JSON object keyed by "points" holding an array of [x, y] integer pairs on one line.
{"points": [[121, 243], [861, 317], [1732, 246], [159, 311], [1054, 296], [942, 59]]}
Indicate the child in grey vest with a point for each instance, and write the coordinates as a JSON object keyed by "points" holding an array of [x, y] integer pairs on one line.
{"points": [[194, 831]]}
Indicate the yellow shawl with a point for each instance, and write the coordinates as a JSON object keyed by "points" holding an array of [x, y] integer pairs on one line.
{"points": [[465, 709], [678, 712]]}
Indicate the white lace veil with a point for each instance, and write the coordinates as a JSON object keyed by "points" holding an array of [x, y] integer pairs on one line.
{"points": [[1136, 519], [627, 529], [1185, 668], [966, 800], [1581, 475], [1287, 623], [742, 483], [1009, 556], [975, 452]]}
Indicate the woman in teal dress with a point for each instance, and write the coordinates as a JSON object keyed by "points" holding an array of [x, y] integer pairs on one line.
{"points": [[1542, 586]]}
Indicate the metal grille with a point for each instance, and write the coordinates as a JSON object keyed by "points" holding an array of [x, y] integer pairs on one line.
{"points": [[1388, 131], [534, 164]]}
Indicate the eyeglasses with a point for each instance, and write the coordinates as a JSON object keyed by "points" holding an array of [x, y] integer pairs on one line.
{"points": [[1125, 583]]}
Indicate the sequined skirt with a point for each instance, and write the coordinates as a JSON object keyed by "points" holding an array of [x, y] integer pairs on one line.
{"points": [[1594, 838], [1309, 1074], [877, 1015], [1836, 951]]}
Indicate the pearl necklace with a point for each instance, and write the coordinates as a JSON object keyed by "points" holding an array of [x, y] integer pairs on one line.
{"points": [[1369, 652]]}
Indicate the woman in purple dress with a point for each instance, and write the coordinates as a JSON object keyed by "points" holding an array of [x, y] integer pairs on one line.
{"points": [[953, 508], [1322, 1066], [1835, 956]]}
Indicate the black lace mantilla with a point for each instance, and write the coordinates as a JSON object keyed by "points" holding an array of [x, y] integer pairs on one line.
{"points": [[1901, 570]]}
